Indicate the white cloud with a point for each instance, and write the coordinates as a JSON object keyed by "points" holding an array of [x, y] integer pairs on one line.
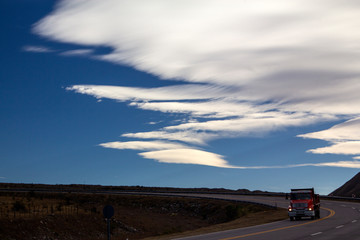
{"points": [[247, 117], [321, 92], [168, 152], [142, 145], [178, 92], [193, 137], [343, 164], [202, 40], [258, 123], [253, 66], [194, 156], [43, 49], [209, 109], [349, 147], [77, 52], [344, 138], [349, 130], [188, 156], [153, 123]]}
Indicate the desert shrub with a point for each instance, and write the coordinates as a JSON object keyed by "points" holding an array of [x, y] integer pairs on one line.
{"points": [[59, 207], [231, 212], [18, 206], [31, 194], [239, 210], [93, 210]]}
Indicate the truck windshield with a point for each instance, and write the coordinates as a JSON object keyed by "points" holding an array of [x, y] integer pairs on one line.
{"points": [[300, 196]]}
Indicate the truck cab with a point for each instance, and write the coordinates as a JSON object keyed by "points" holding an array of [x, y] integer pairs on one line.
{"points": [[304, 203]]}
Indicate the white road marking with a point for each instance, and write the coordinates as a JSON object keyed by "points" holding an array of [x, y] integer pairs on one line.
{"points": [[353, 208], [314, 234], [343, 205], [354, 221], [340, 226]]}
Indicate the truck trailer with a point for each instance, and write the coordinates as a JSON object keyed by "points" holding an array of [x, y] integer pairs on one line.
{"points": [[304, 203]]}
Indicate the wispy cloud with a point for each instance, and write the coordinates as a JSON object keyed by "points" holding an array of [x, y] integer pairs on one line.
{"points": [[344, 138], [349, 147], [74, 52], [262, 122], [143, 145], [177, 92], [206, 40], [168, 152], [249, 67], [347, 131], [237, 117], [219, 108], [343, 164], [37, 49], [194, 137], [78, 52]]}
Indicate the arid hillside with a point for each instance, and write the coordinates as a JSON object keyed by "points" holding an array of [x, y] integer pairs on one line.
{"points": [[29, 214], [350, 189]]}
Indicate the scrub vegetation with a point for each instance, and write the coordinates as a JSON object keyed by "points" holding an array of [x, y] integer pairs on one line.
{"points": [[74, 215]]}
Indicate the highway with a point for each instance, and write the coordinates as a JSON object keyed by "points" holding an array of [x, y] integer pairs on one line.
{"points": [[339, 220]]}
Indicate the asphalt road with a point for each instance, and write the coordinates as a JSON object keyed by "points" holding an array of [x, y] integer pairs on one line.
{"points": [[339, 220]]}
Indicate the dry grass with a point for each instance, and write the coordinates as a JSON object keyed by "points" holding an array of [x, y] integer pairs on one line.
{"points": [[79, 216]]}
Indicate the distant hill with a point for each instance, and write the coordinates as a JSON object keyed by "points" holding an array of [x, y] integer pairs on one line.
{"points": [[109, 189], [349, 188]]}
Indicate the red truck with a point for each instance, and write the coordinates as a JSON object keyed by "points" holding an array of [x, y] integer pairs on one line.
{"points": [[304, 203]]}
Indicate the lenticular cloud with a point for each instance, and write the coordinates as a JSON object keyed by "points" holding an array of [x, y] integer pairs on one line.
{"points": [[250, 67], [209, 41]]}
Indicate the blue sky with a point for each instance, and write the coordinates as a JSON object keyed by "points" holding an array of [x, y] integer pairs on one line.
{"points": [[248, 94]]}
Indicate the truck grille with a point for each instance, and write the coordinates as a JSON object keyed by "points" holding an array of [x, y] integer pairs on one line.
{"points": [[299, 205]]}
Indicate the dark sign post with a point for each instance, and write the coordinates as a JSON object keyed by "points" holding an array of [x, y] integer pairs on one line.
{"points": [[108, 212]]}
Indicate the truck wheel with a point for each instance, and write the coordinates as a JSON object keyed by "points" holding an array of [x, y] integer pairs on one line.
{"points": [[318, 213], [291, 218]]}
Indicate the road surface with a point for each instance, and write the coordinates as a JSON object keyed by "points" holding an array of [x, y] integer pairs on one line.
{"points": [[339, 220]]}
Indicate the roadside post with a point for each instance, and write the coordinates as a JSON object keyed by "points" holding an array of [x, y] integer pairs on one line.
{"points": [[108, 212]]}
